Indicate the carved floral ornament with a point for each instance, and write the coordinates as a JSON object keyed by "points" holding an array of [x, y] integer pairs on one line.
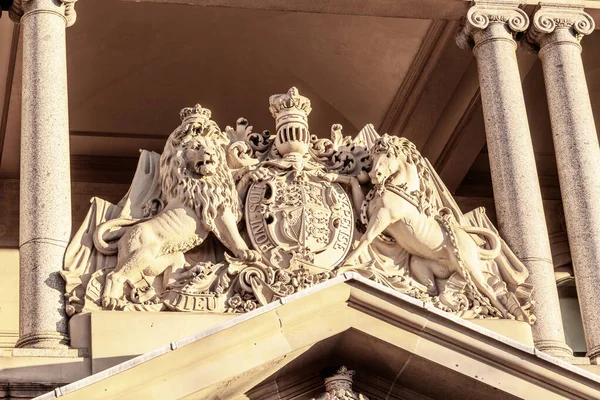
{"points": [[66, 8], [226, 221]]}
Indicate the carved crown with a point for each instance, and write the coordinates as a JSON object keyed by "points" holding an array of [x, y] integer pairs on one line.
{"points": [[283, 106], [196, 113], [342, 379]]}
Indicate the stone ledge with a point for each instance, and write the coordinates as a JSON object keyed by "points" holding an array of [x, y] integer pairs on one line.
{"points": [[24, 390], [344, 305], [515, 330], [62, 353], [8, 339], [576, 360], [42, 367]]}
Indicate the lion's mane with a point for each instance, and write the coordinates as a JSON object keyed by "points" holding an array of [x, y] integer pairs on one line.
{"points": [[206, 195]]}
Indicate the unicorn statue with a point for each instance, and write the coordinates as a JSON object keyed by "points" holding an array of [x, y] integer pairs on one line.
{"points": [[409, 206]]}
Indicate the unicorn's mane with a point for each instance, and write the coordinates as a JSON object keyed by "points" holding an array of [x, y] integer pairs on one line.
{"points": [[406, 151]]}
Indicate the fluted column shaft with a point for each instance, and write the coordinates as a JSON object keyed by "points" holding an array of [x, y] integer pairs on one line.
{"points": [[556, 33], [45, 193], [489, 30]]}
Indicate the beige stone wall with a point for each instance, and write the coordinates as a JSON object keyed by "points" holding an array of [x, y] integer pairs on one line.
{"points": [[9, 262], [9, 213], [9, 297]]}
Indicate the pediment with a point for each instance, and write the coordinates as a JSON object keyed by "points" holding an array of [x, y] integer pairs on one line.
{"points": [[399, 347]]}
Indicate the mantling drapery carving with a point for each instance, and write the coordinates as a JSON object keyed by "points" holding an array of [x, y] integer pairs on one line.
{"points": [[174, 243]]}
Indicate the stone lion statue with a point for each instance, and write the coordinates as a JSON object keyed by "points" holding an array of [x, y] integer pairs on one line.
{"points": [[200, 197]]}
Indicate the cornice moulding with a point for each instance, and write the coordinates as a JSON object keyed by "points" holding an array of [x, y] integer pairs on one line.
{"points": [[327, 309]]}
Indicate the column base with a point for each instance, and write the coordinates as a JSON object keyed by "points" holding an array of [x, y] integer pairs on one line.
{"points": [[44, 340], [594, 355], [554, 348]]}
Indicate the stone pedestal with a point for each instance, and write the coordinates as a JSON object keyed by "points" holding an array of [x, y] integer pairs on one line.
{"points": [[556, 33], [45, 203], [489, 30]]}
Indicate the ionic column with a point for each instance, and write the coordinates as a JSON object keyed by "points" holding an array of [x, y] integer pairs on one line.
{"points": [[489, 30], [45, 202], [556, 34]]}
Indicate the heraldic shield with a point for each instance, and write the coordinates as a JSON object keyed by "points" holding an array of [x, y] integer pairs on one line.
{"points": [[302, 193], [299, 221]]}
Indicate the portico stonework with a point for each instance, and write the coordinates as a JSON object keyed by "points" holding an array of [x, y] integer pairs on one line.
{"points": [[148, 254], [45, 211], [387, 337], [556, 34], [489, 30], [314, 260]]}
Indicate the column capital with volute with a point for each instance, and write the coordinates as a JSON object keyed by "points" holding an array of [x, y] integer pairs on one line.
{"points": [[489, 29], [477, 26], [64, 8], [555, 35], [553, 24]]}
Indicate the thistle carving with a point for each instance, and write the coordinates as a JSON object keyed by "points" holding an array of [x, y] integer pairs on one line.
{"points": [[481, 15]]}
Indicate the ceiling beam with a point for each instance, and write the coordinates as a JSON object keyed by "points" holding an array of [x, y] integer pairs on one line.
{"points": [[421, 9], [430, 102], [463, 146], [453, 115], [438, 37]]}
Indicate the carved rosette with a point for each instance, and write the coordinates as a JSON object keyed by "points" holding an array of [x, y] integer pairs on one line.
{"points": [[550, 20], [20, 7], [482, 16]]}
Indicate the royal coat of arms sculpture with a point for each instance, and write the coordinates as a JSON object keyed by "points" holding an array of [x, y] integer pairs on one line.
{"points": [[229, 220]]}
